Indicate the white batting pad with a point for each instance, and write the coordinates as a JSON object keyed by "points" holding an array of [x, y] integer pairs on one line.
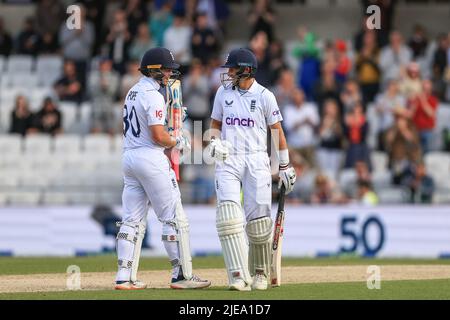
{"points": [[230, 227], [259, 232], [142, 227]]}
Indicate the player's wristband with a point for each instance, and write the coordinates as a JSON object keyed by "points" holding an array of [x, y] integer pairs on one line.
{"points": [[283, 156]]}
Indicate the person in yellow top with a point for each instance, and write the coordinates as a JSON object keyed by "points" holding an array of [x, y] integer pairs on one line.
{"points": [[366, 195]]}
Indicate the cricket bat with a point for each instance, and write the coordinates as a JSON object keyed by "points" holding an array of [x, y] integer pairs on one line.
{"points": [[275, 274], [174, 102]]}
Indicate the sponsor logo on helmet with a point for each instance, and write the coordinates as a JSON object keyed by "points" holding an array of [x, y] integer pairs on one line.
{"points": [[242, 122]]}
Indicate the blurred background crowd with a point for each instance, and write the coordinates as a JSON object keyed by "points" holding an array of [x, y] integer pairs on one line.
{"points": [[366, 114]]}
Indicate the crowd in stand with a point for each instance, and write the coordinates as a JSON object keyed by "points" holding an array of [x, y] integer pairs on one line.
{"points": [[326, 102]]}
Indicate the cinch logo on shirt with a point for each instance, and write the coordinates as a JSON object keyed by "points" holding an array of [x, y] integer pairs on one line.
{"points": [[240, 122]]}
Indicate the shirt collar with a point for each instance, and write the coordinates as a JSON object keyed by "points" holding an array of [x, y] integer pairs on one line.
{"points": [[151, 81], [252, 88]]}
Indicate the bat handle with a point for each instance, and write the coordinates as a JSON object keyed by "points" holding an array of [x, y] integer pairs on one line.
{"points": [[282, 196]]}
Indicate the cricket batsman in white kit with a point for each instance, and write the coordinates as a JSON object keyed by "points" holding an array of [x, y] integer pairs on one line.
{"points": [[242, 111], [149, 178]]}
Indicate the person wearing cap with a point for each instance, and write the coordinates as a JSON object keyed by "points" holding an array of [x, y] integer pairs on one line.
{"points": [[149, 179], [242, 111]]}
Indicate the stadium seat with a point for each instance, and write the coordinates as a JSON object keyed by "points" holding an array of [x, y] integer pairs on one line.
{"points": [[381, 179], [82, 198], [55, 198], [37, 98], [67, 144], [97, 144], [20, 64], [37, 144], [33, 180], [8, 181], [70, 115], [26, 198], [392, 195], [379, 161], [2, 64], [48, 69], [441, 196], [438, 166], [11, 144], [118, 143], [3, 200], [23, 80]]}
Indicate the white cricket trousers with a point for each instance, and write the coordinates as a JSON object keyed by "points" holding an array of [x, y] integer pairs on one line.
{"points": [[252, 173], [149, 179]]}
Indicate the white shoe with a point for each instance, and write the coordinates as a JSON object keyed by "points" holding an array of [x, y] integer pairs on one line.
{"points": [[240, 285], [130, 285], [260, 282], [192, 283]]}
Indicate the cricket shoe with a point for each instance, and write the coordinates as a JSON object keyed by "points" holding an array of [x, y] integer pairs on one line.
{"points": [[193, 283], [130, 285], [240, 285], [260, 282]]}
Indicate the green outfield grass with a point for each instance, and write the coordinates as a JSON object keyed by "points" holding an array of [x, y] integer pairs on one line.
{"points": [[406, 289], [11, 266], [420, 289]]}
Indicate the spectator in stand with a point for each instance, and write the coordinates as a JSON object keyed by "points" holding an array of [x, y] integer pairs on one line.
{"points": [[103, 85], [77, 45], [204, 42], [441, 65], [137, 12], [6, 43], [119, 40], [261, 17], [161, 19], [141, 43], [305, 180], [260, 47], [301, 120], [418, 42], [411, 83], [177, 39], [350, 95], [130, 78], [423, 109], [21, 117], [327, 87], [380, 36], [326, 191], [331, 137], [307, 51], [368, 71], [196, 94], [50, 15], [356, 129], [366, 194], [403, 146], [395, 57], [421, 186], [68, 87], [277, 63], [48, 119], [284, 88], [385, 105], [95, 13], [28, 40], [217, 12], [343, 62]]}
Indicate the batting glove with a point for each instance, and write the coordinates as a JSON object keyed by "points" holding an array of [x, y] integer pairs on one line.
{"points": [[287, 178], [183, 144], [219, 150]]}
